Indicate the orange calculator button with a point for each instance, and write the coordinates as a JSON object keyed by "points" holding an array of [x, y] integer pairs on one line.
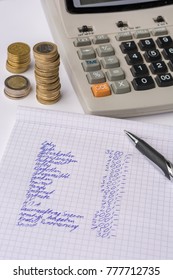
{"points": [[101, 90]]}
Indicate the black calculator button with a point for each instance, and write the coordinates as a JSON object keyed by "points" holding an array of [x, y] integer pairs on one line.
{"points": [[143, 83], [139, 70], [158, 67], [128, 46], [168, 53], [146, 44], [152, 55], [164, 42], [164, 80], [170, 64], [134, 58]]}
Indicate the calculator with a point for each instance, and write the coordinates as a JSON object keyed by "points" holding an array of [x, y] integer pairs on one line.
{"points": [[118, 54]]}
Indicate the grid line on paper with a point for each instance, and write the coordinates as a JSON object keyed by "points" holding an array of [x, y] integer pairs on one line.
{"points": [[145, 207]]}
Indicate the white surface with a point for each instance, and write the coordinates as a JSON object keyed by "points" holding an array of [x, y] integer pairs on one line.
{"points": [[24, 21]]}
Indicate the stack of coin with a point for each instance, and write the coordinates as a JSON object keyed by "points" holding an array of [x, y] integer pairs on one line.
{"points": [[47, 62], [17, 86], [18, 59]]}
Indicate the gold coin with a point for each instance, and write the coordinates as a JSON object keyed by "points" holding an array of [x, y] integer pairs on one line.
{"points": [[45, 81], [48, 97], [41, 74], [18, 60], [16, 70], [19, 49], [46, 88], [45, 102]]}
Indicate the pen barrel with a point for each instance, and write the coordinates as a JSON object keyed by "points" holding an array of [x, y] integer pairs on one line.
{"points": [[154, 156]]}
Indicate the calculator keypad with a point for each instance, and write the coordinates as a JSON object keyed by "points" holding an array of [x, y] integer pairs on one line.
{"points": [[149, 60]]}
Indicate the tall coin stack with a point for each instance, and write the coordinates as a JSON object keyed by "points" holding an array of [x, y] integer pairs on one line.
{"points": [[18, 59], [47, 61]]}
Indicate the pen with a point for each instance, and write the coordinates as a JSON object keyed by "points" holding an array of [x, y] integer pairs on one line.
{"points": [[160, 161]]}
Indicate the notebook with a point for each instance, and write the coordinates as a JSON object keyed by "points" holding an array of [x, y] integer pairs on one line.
{"points": [[74, 187]]}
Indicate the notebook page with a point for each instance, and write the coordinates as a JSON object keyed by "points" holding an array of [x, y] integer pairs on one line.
{"points": [[74, 187]]}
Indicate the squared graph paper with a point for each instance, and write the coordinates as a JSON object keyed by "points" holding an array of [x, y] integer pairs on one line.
{"points": [[73, 186]]}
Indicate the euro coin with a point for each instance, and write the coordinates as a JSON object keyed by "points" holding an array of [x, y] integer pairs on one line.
{"points": [[17, 86], [18, 57], [47, 61], [45, 49], [19, 49], [47, 102]]}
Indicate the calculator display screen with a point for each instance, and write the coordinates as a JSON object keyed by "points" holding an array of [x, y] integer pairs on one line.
{"points": [[101, 3], [102, 6], [90, 2]]}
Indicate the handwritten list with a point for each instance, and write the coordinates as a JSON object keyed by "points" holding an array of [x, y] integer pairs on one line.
{"points": [[73, 187]]}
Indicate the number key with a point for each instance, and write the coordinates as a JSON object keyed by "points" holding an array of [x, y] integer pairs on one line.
{"points": [[164, 80], [158, 67], [128, 46], [168, 53], [143, 83], [152, 55], [170, 64], [134, 58], [146, 44], [139, 70], [164, 42]]}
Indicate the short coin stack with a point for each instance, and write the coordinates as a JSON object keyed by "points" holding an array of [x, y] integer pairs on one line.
{"points": [[17, 86], [18, 59], [47, 62]]}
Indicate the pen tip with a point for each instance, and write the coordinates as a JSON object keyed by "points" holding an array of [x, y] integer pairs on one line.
{"points": [[132, 136]]}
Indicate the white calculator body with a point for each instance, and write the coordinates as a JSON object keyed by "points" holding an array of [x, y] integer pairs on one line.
{"points": [[118, 54]]}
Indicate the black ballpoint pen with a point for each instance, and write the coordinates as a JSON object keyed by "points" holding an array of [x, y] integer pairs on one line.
{"points": [[164, 165]]}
